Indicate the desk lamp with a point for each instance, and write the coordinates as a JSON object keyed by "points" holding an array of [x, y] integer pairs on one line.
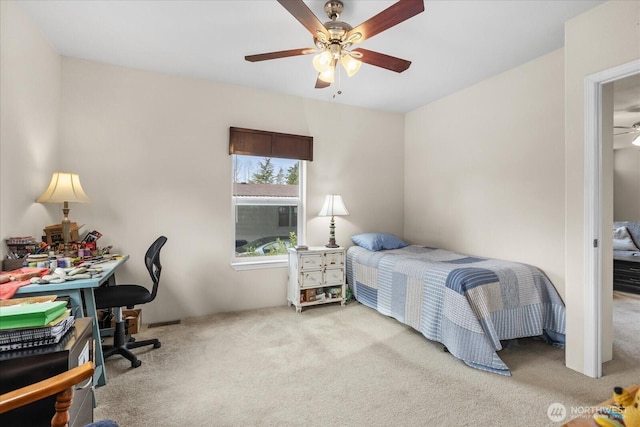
{"points": [[333, 205], [64, 188]]}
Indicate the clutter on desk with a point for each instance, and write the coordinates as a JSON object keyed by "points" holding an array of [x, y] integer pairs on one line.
{"points": [[21, 274], [61, 275], [92, 236], [51, 253], [18, 247], [53, 233], [33, 322]]}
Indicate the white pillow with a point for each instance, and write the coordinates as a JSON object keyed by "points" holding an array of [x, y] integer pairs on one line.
{"points": [[622, 240]]}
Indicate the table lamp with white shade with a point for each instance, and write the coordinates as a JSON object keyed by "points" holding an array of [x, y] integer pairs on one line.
{"points": [[64, 188], [333, 205]]}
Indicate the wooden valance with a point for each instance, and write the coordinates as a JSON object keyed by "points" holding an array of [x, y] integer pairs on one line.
{"points": [[252, 142]]}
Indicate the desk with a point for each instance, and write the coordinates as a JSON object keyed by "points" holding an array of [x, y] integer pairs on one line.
{"points": [[76, 290]]}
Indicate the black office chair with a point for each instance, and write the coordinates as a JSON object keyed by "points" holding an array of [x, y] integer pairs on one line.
{"points": [[118, 296]]}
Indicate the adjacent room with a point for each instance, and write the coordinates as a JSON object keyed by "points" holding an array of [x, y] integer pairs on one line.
{"points": [[323, 212]]}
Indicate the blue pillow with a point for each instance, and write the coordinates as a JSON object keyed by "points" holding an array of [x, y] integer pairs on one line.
{"points": [[378, 241]]}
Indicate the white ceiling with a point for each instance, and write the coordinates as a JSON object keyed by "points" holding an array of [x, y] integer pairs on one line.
{"points": [[452, 44]]}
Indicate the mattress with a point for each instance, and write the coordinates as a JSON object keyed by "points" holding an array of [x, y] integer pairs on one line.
{"points": [[470, 304]]}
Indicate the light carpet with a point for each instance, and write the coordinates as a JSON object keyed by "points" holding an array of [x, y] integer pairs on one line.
{"points": [[346, 366]]}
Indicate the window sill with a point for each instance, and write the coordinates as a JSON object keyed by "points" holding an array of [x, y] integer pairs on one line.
{"points": [[255, 265]]}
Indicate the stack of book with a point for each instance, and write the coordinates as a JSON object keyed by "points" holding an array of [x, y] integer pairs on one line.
{"points": [[27, 323]]}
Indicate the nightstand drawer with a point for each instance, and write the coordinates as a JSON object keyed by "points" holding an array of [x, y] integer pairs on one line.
{"points": [[310, 262], [631, 268], [334, 276], [630, 280], [334, 259], [626, 276], [310, 278]]}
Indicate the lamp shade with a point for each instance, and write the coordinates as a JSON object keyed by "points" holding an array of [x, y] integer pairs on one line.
{"points": [[64, 187], [328, 75], [636, 141], [333, 206], [322, 61], [350, 64]]}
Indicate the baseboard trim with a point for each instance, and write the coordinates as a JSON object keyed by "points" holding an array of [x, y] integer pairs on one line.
{"points": [[170, 322]]}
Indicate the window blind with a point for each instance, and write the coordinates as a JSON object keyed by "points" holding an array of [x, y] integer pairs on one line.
{"points": [[252, 142]]}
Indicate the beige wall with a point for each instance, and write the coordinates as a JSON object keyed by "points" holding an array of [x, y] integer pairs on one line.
{"points": [[483, 163], [484, 168], [626, 175], [152, 151], [30, 89], [602, 38]]}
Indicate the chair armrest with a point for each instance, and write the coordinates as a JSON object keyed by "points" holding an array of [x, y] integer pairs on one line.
{"points": [[45, 388]]}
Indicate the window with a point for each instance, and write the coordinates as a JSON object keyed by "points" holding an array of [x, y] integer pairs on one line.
{"points": [[266, 200], [288, 216], [268, 193]]}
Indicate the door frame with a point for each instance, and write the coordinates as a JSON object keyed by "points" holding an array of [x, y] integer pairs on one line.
{"points": [[592, 308]]}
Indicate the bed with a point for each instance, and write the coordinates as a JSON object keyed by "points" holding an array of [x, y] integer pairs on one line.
{"points": [[626, 256], [467, 303]]}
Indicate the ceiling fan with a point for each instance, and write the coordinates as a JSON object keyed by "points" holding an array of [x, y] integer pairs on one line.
{"points": [[334, 38], [633, 129]]}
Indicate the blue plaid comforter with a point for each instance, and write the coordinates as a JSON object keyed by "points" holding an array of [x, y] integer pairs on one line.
{"points": [[467, 303]]}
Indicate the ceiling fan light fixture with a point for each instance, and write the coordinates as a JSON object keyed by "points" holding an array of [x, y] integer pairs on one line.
{"points": [[333, 39], [354, 38], [636, 141], [328, 75], [322, 61], [350, 64]]}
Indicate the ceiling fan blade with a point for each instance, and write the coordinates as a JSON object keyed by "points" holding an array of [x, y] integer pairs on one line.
{"points": [[634, 128], [393, 15], [383, 61], [627, 132], [302, 13], [321, 84], [279, 54]]}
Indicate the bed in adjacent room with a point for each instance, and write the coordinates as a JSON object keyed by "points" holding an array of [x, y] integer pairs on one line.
{"points": [[469, 304]]}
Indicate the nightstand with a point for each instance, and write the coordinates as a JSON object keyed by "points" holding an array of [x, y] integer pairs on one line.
{"points": [[316, 276], [626, 276]]}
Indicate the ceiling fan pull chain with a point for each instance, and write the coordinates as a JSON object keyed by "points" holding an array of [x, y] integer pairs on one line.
{"points": [[339, 92]]}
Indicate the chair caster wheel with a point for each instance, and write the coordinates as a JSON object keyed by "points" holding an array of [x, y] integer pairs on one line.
{"points": [[136, 364], [157, 345]]}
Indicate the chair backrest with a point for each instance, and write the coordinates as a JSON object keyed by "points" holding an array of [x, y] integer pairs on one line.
{"points": [[60, 385], [152, 261]]}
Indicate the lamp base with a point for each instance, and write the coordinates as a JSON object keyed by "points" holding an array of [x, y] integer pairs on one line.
{"points": [[332, 235]]}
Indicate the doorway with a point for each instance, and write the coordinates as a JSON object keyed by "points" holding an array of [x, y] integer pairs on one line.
{"points": [[594, 321]]}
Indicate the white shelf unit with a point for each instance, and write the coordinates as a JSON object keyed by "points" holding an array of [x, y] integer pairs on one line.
{"points": [[316, 276]]}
